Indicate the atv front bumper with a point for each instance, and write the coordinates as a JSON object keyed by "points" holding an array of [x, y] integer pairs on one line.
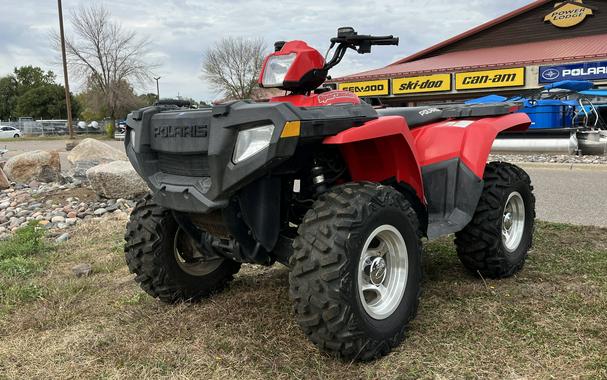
{"points": [[186, 156]]}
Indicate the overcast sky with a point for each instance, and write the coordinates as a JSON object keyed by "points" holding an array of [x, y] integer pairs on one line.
{"points": [[181, 30]]}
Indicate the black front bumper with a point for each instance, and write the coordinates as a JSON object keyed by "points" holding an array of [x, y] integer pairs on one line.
{"points": [[185, 156]]}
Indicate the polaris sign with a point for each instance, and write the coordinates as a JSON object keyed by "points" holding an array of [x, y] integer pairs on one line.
{"points": [[576, 71]]}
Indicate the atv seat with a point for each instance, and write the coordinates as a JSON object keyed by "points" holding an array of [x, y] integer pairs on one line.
{"points": [[415, 116], [418, 116]]}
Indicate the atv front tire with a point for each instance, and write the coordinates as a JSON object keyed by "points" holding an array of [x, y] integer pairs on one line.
{"points": [[154, 252], [356, 270], [497, 240]]}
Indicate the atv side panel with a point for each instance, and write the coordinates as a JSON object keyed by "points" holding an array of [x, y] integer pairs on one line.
{"points": [[452, 155]]}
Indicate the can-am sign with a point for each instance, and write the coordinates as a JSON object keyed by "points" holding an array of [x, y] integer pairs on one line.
{"points": [[576, 71]]}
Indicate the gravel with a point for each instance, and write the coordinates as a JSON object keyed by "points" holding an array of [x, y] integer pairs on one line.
{"points": [[549, 158], [23, 203]]}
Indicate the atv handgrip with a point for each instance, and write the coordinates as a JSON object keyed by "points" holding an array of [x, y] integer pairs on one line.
{"points": [[359, 39]]}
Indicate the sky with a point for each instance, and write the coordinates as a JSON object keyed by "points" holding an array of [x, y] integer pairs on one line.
{"points": [[181, 30]]}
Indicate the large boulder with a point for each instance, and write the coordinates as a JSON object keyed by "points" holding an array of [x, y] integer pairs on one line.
{"points": [[4, 182], [116, 179], [36, 165], [95, 150]]}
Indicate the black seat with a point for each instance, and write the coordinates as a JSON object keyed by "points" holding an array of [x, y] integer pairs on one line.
{"points": [[415, 116]]}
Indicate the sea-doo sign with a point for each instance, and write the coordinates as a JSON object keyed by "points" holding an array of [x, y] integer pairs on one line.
{"points": [[367, 88], [568, 13], [576, 71]]}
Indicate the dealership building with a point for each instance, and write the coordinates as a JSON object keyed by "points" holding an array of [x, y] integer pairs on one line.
{"points": [[544, 42]]}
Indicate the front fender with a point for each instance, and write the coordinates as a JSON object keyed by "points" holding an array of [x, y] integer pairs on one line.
{"points": [[380, 150]]}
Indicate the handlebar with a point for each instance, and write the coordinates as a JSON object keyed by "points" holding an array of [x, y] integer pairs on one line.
{"points": [[356, 40], [348, 38]]}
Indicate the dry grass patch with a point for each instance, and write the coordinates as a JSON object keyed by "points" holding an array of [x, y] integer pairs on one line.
{"points": [[547, 322]]}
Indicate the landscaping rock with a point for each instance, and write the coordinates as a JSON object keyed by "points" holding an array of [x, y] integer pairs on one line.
{"points": [[81, 166], [116, 179], [4, 182], [31, 166], [82, 270], [100, 211], [95, 150], [62, 238]]}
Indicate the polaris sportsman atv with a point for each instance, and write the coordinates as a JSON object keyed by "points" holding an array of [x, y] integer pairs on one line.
{"points": [[323, 183]]}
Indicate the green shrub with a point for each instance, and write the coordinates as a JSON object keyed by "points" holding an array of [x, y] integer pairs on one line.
{"points": [[28, 241], [19, 255]]}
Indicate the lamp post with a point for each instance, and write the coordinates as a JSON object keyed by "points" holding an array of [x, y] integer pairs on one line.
{"points": [[157, 88], [68, 101]]}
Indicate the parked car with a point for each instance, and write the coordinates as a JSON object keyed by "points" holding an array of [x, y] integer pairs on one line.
{"points": [[7, 132]]}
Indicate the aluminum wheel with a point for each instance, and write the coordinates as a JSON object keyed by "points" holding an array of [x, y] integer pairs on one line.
{"points": [[382, 272], [189, 259], [513, 221]]}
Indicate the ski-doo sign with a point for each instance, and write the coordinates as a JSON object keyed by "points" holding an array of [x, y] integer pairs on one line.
{"points": [[576, 71]]}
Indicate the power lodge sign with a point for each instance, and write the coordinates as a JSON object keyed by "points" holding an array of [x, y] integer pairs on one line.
{"points": [[568, 13]]}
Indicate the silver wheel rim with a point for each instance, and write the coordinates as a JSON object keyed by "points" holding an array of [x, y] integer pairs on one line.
{"points": [[199, 267], [513, 221], [382, 272]]}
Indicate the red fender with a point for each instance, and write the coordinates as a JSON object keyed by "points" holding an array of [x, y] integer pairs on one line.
{"points": [[468, 139], [379, 150]]}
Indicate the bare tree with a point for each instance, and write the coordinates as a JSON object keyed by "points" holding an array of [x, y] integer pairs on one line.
{"points": [[232, 66], [106, 56]]}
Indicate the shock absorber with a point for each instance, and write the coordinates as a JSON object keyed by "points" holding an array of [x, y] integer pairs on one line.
{"points": [[318, 180]]}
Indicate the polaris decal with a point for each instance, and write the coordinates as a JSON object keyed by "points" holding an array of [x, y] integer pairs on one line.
{"points": [[368, 88], [181, 131], [429, 83], [490, 79], [428, 111], [576, 71]]}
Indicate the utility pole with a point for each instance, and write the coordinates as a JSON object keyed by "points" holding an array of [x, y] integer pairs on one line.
{"points": [[157, 88], [68, 102]]}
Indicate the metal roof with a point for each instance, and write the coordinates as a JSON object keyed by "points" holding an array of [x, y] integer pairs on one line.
{"points": [[473, 31], [551, 51]]}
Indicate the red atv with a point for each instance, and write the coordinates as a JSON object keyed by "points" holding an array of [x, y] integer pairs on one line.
{"points": [[337, 191]]}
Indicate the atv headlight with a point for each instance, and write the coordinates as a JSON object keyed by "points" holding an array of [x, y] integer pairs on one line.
{"points": [[252, 141], [276, 69]]}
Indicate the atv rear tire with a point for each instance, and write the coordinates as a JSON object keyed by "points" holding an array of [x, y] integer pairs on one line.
{"points": [[497, 240], [153, 241], [356, 270]]}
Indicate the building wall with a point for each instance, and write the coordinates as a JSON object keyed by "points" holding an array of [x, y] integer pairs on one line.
{"points": [[531, 27]]}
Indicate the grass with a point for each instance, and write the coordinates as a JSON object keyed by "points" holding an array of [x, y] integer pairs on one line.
{"points": [[546, 322], [22, 256]]}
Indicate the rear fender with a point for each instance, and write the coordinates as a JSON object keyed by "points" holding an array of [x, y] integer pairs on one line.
{"points": [[381, 150], [453, 155], [469, 140]]}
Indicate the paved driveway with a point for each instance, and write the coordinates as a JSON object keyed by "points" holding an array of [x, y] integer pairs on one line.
{"points": [[570, 193]]}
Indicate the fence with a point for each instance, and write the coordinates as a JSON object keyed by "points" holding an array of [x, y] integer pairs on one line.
{"points": [[30, 127]]}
